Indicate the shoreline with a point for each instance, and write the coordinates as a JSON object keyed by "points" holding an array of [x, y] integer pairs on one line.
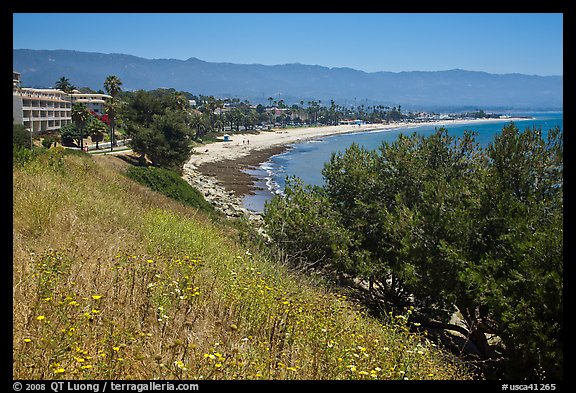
{"points": [[219, 170]]}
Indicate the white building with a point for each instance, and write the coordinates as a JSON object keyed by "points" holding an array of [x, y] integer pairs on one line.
{"points": [[94, 102], [42, 110]]}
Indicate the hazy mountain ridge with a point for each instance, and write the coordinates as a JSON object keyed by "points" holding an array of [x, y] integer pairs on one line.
{"points": [[293, 82]]}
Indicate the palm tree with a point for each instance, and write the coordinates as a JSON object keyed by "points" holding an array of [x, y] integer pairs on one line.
{"points": [[112, 85], [64, 85], [198, 121], [96, 130], [180, 101], [210, 107], [80, 116]]}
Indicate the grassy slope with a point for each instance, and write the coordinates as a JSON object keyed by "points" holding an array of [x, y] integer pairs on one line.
{"points": [[112, 280]]}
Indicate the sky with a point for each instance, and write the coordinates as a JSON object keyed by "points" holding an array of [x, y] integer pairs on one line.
{"points": [[525, 43]]}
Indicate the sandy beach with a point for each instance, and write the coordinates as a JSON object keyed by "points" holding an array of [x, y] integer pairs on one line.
{"points": [[247, 144], [226, 161], [244, 145]]}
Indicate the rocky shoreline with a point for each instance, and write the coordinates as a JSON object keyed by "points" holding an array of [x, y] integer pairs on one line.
{"points": [[223, 183], [224, 200]]}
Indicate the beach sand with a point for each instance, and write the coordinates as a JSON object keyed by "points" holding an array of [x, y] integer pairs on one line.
{"points": [[227, 161]]}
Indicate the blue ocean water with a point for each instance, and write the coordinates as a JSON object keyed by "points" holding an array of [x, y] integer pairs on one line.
{"points": [[306, 160]]}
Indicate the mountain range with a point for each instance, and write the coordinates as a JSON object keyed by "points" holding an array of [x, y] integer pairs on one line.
{"points": [[426, 90]]}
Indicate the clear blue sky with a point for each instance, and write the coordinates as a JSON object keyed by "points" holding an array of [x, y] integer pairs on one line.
{"points": [[527, 43]]}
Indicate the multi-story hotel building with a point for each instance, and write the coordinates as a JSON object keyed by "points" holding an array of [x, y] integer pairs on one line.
{"points": [[42, 110], [94, 102]]}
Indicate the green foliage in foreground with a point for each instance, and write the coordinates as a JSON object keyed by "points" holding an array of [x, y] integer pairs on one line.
{"points": [[437, 223], [111, 282], [20, 136], [169, 183]]}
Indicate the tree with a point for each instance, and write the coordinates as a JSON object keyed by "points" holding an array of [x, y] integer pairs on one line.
{"points": [[112, 85], [440, 224], [141, 106], [70, 135], [64, 84], [96, 129], [209, 108], [180, 101], [324, 243], [80, 116], [199, 122], [166, 142], [521, 223]]}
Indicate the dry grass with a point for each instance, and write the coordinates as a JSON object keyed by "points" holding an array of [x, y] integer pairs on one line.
{"points": [[112, 281]]}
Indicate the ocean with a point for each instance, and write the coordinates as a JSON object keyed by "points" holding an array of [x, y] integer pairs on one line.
{"points": [[306, 160]]}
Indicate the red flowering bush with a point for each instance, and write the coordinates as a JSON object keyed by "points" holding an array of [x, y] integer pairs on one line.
{"points": [[103, 118]]}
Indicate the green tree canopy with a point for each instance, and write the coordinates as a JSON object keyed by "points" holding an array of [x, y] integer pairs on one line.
{"points": [[440, 224], [166, 141]]}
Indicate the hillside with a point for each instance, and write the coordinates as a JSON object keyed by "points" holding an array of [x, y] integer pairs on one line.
{"points": [[114, 281], [294, 82]]}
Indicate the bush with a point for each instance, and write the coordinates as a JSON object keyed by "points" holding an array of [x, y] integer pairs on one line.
{"points": [[20, 136], [308, 227], [170, 184], [21, 155]]}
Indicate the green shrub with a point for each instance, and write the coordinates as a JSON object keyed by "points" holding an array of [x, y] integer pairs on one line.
{"points": [[20, 136], [21, 155], [170, 184]]}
